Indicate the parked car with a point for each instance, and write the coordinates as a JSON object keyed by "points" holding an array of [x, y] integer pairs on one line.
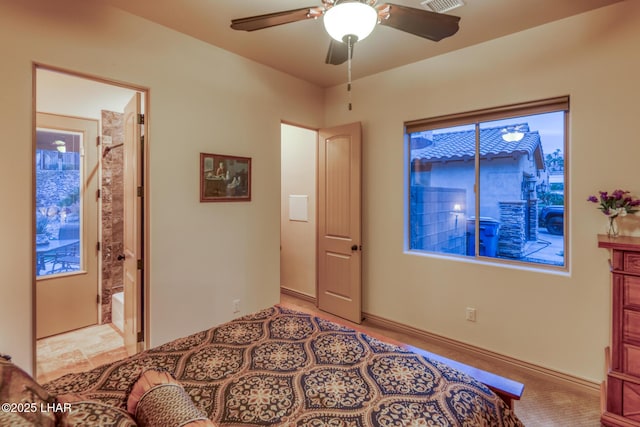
{"points": [[552, 218]]}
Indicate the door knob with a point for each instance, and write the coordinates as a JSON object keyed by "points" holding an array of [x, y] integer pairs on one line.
{"points": [[121, 257], [354, 247]]}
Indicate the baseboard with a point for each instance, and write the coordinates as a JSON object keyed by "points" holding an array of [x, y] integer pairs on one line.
{"points": [[419, 333], [298, 294]]}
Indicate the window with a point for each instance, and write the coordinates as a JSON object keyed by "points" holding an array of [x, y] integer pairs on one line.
{"points": [[58, 204], [491, 183]]}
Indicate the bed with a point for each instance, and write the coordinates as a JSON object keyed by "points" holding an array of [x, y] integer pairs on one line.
{"points": [[283, 367]]}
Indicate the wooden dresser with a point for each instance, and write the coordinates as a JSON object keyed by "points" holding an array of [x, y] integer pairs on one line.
{"points": [[621, 390]]}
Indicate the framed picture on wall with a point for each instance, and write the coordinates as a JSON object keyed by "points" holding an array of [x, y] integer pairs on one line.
{"points": [[225, 178]]}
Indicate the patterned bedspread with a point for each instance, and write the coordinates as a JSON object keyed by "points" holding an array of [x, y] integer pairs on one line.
{"points": [[283, 367]]}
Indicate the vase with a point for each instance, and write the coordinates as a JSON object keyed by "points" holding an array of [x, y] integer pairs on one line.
{"points": [[612, 230]]}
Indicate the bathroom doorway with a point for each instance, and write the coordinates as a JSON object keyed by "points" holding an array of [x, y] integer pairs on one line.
{"points": [[93, 206]]}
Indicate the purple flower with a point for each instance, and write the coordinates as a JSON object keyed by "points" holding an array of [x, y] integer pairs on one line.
{"points": [[619, 202], [618, 194]]}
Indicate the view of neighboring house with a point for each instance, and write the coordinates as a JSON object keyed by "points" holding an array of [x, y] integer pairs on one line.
{"points": [[511, 168]]}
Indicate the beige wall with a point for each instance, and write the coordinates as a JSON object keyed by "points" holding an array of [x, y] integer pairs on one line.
{"points": [[298, 238], [559, 321], [203, 99]]}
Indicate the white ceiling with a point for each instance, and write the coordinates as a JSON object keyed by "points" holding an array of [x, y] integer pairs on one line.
{"points": [[300, 48]]}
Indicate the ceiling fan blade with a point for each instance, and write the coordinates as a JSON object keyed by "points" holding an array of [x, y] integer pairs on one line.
{"points": [[422, 23], [259, 22], [338, 53]]}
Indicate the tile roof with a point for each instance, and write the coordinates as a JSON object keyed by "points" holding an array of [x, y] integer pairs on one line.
{"points": [[461, 145]]}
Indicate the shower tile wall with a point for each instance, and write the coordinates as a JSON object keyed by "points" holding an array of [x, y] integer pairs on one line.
{"points": [[112, 210]]}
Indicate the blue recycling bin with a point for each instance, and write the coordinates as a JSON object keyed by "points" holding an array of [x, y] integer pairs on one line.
{"points": [[488, 236]]}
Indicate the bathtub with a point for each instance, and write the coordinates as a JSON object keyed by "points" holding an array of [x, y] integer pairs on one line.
{"points": [[117, 310]]}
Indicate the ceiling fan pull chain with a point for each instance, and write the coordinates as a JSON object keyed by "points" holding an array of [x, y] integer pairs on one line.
{"points": [[349, 47]]}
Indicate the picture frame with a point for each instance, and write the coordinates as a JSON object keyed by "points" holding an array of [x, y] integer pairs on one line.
{"points": [[225, 178]]}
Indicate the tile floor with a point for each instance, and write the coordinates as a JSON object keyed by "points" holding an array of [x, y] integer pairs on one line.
{"points": [[78, 351]]}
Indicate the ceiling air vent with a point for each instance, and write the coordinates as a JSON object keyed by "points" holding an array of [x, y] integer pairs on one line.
{"points": [[441, 6]]}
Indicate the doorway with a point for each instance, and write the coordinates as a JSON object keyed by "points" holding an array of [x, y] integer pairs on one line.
{"points": [[90, 215], [298, 224], [321, 206]]}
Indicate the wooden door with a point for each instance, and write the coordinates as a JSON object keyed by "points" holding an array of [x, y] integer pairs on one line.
{"points": [[132, 266], [339, 217], [67, 262]]}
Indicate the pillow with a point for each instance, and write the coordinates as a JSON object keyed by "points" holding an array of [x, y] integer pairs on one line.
{"points": [[85, 412], [156, 399], [26, 399]]}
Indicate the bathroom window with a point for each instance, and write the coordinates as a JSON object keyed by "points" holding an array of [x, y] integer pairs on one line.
{"points": [[58, 205]]}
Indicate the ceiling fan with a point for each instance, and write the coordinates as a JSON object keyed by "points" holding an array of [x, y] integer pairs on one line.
{"points": [[348, 21]]}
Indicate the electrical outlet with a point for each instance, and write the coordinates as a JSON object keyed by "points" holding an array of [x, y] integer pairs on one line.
{"points": [[236, 306], [471, 314]]}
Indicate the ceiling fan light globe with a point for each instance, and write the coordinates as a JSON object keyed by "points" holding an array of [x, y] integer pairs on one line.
{"points": [[513, 136], [351, 18]]}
